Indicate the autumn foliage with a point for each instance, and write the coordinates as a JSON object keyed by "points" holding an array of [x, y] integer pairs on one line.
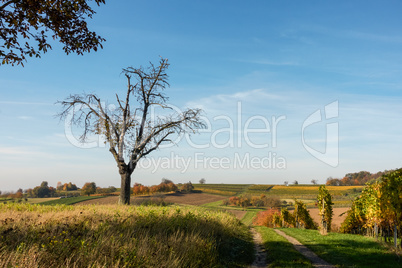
{"points": [[274, 217], [267, 218], [357, 178], [163, 187], [378, 210]]}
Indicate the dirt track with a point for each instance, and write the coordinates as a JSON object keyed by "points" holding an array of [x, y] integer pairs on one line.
{"points": [[315, 260]]}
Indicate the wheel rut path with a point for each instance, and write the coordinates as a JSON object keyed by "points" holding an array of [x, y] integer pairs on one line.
{"points": [[260, 254], [315, 260]]}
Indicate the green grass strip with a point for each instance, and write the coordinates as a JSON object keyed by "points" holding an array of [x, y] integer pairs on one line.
{"points": [[249, 217], [346, 250], [69, 200], [280, 252], [215, 204]]}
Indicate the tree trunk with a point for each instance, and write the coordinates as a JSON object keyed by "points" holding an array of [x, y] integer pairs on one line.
{"points": [[125, 189]]}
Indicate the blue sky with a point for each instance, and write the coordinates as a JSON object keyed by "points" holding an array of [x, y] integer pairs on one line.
{"points": [[243, 64]]}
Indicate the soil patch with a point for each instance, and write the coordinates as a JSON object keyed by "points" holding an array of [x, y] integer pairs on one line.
{"points": [[238, 213], [195, 199], [337, 219], [260, 256]]}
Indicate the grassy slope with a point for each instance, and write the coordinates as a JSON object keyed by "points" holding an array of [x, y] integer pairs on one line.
{"points": [[249, 217], [69, 200], [346, 250], [281, 253], [121, 236]]}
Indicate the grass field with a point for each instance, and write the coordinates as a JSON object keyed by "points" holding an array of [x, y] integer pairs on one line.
{"points": [[173, 236], [69, 200], [280, 252], [249, 217], [222, 189], [29, 200], [346, 250], [121, 236]]}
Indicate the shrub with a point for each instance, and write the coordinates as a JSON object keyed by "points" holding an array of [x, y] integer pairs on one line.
{"points": [[266, 218], [261, 201], [187, 187]]}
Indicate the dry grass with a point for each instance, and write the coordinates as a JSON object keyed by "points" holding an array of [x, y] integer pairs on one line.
{"points": [[40, 200], [120, 236]]}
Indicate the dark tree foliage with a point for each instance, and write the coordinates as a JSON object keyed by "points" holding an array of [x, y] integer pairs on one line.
{"points": [[187, 187], [27, 25], [88, 188]]}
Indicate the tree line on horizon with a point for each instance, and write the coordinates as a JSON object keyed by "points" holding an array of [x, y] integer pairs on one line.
{"points": [[66, 189], [357, 178], [70, 189]]}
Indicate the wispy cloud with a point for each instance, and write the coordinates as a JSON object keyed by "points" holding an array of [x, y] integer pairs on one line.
{"points": [[270, 62], [224, 102], [24, 117], [22, 152]]}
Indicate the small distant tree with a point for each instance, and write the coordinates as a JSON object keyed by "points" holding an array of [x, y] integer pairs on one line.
{"points": [[245, 201], [69, 187], [166, 181], [88, 188], [286, 183], [59, 186], [187, 187], [202, 181], [18, 194], [296, 182], [333, 182], [41, 191], [315, 182], [111, 189]]}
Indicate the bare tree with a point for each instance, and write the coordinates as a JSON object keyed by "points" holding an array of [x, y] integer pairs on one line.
{"points": [[286, 183], [130, 131], [202, 181], [315, 182]]}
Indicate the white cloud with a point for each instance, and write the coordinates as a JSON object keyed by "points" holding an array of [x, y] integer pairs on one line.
{"points": [[24, 117]]}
